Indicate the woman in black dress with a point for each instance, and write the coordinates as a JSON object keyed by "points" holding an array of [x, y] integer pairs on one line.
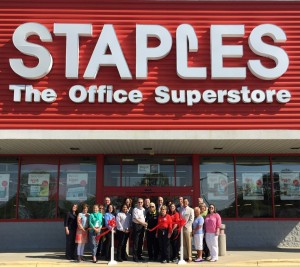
{"points": [[70, 225]]}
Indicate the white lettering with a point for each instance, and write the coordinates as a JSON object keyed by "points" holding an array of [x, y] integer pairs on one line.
{"points": [[107, 39], [275, 53], [77, 94], [48, 95], [17, 89], [20, 37], [145, 53], [186, 41], [233, 96], [104, 94], [31, 94], [283, 96], [219, 51], [72, 33], [162, 96]]}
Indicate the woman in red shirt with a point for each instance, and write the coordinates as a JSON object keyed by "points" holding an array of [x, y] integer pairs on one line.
{"points": [[164, 233], [175, 238]]}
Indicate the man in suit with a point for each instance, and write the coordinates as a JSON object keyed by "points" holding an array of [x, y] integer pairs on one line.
{"points": [[187, 213], [160, 203]]}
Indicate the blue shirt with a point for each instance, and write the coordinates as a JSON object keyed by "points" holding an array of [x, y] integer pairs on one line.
{"points": [[197, 222]]}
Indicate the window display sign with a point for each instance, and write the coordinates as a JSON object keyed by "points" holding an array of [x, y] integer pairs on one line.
{"points": [[38, 186], [76, 186], [217, 186], [253, 186], [4, 187], [148, 168], [289, 186]]}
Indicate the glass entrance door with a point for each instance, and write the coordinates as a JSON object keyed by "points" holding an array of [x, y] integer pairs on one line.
{"points": [[147, 176], [118, 199]]}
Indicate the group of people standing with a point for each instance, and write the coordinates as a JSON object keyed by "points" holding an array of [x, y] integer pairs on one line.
{"points": [[159, 223]]}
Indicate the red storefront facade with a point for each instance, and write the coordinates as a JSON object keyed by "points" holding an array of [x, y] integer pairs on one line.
{"points": [[205, 93]]}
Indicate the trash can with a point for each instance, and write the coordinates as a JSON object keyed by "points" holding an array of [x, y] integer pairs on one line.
{"points": [[222, 241]]}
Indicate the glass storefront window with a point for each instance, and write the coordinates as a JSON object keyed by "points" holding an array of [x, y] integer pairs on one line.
{"points": [[8, 187], [148, 171], [253, 187], [77, 182], [112, 171], [38, 188], [286, 175], [217, 184], [184, 172]]}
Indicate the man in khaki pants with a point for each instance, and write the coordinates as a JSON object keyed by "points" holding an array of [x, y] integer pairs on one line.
{"points": [[188, 214]]}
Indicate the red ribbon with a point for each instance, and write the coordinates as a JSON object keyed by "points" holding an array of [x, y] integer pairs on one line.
{"points": [[157, 226], [112, 223], [180, 223]]}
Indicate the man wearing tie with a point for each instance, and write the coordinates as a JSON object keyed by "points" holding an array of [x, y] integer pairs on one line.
{"points": [[187, 214]]}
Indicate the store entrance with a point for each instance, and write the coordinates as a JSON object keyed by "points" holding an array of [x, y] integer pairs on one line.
{"points": [[168, 194]]}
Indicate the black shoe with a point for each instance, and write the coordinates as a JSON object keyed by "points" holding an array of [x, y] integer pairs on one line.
{"points": [[136, 260], [150, 259], [141, 259], [119, 260], [124, 258], [175, 260]]}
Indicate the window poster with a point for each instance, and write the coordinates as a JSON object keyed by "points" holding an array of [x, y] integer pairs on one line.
{"points": [[4, 187], [38, 186], [77, 186], [289, 186], [217, 186], [253, 186], [148, 168]]}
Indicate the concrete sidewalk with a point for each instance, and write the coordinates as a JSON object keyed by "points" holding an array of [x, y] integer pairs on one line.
{"points": [[249, 258]]}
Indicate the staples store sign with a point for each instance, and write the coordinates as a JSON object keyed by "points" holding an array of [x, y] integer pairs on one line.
{"points": [[186, 43]]}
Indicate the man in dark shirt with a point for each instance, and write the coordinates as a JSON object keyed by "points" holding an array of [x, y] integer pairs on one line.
{"points": [[152, 241]]}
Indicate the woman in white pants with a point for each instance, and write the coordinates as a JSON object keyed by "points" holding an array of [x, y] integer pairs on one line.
{"points": [[212, 231]]}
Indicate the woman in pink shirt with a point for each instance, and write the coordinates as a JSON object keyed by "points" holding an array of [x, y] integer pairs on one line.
{"points": [[212, 231]]}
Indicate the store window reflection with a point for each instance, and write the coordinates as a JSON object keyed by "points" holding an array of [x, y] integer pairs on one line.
{"points": [[147, 171], [286, 174], [141, 171], [77, 182], [38, 188], [8, 187], [253, 187], [217, 184], [112, 171]]}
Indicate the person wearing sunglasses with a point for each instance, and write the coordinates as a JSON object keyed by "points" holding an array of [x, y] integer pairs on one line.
{"points": [[212, 231], [152, 241]]}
